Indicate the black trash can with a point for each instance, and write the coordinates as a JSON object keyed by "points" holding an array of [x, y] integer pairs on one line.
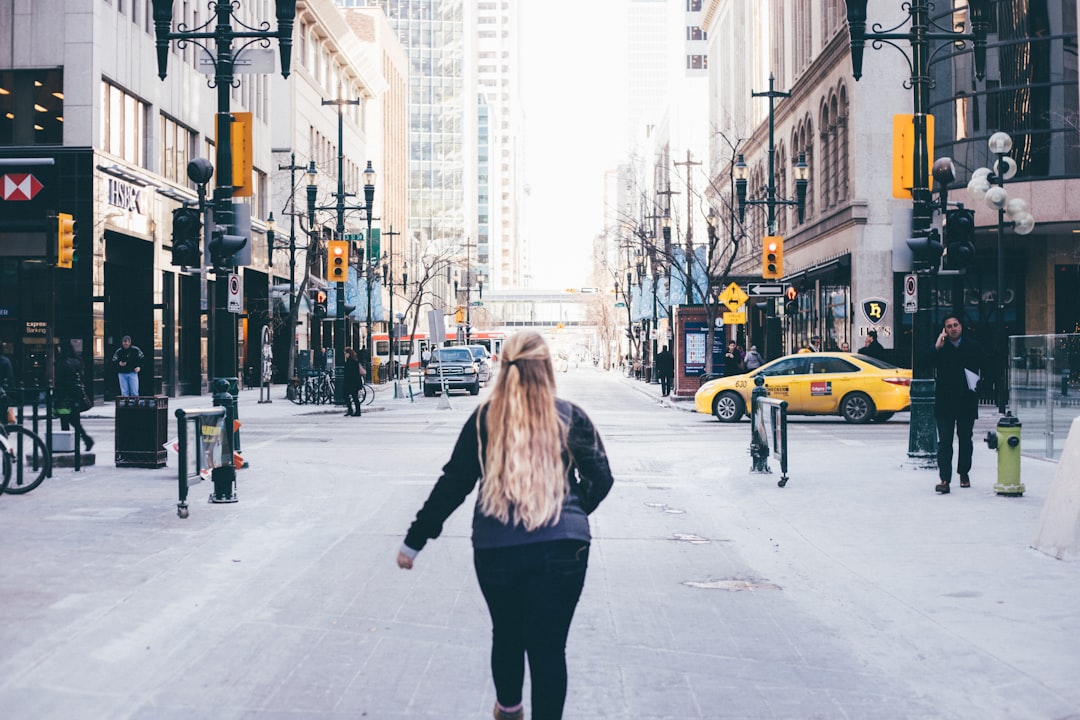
{"points": [[142, 426]]}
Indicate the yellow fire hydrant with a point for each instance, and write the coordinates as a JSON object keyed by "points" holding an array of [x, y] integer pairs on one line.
{"points": [[1006, 440]]}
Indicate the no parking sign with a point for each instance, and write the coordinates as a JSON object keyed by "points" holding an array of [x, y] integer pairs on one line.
{"points": [[235, 303]]}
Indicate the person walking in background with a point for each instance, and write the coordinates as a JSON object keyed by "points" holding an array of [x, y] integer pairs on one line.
{"points": [[127, 361], [354, 380], [958, 362], [872, 347], [542, 470], [665, 370], [753, 359], [70, 392]]}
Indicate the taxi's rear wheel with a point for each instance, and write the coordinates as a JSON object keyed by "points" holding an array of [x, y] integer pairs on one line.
{"points": [[728, 407], [857, 407]]}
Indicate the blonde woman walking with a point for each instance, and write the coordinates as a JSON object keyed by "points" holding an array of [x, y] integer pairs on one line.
{"points": [[542, 470]]}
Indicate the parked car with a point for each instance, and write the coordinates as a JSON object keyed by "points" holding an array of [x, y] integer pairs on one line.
{"points": [[483, 362], [857, 387], [452, 367]]}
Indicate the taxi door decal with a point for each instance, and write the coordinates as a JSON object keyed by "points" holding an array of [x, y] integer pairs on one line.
{"points": [[820, 388]]}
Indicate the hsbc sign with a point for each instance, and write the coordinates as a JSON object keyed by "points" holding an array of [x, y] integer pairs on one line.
{"points": [[19, 186], [29, 189], [123, 195]]}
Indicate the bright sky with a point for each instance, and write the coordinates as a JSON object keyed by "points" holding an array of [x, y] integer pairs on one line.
{"points": [[573, 88]]}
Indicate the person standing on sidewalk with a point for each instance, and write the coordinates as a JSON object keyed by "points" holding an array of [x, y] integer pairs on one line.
{"points": [[127, 361], [665, 370], [70, 392], [542, 470], [957, 361], [354, 380]]}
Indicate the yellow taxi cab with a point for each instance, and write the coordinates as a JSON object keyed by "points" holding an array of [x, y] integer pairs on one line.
{"points": [[859, 388]]}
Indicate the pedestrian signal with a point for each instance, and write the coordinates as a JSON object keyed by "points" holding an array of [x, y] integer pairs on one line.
{"points": [[318, 309], [772, 257], [187, 226], [337, 260]]}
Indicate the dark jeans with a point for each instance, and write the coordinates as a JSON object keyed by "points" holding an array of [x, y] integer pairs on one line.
{"points": [[352, 401], [665, 384], [946, 424], [531, 592]]}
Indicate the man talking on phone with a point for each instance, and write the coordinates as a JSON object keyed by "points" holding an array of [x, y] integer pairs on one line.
{"points": [[958, 361]]}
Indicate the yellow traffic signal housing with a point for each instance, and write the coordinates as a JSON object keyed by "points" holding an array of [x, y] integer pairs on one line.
{"points": [[903, 155], [65, 240], [772, 257], [337, 260], [459, 315]]}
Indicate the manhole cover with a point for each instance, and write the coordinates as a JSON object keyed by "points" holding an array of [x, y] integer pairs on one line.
{"points": [[731, 585]]}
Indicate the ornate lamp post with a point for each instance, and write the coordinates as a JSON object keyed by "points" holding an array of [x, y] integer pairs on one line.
{"points": [[922, 433], [989, 185], [224, 243]]}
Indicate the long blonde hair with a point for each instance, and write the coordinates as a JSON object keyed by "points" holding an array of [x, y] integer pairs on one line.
{"points": [[523, 461]]}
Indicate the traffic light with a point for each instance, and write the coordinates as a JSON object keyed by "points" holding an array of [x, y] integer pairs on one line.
{"points": [[66, 229], [959, 239], [791, 300], [337, 260], [318, 310], [223, 247], [772, 257], [459, 315], [186, 245], [926, 248]]}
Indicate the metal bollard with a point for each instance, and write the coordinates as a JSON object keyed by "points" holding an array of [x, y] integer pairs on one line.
{"points": [[759, 446], [1006, 440]]}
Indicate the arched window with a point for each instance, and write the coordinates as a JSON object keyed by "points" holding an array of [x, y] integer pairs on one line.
{"points": [[843, 183]]}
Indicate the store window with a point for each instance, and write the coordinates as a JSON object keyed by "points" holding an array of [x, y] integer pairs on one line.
{"points": [[32, 107]]}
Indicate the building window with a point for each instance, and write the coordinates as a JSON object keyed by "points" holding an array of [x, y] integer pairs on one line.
{"points": [[177, 142], [123, 127], [32, 107]]}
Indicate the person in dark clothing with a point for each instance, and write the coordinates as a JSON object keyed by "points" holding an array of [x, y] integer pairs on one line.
{"points": [[7, 387], [733, 360], [353, 382], [127, 361], [665, 370], [69, 393], [872, 347], [542, 470], [958, 361]]}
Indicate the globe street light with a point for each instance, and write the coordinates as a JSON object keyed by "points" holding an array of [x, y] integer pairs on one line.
{"points": [[982, 187]]}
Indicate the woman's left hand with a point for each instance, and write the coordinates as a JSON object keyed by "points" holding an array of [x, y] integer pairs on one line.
{"points": [[404, 561]]}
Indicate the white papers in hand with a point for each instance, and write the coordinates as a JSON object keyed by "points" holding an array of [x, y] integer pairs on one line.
{"points": [[972, 379]]}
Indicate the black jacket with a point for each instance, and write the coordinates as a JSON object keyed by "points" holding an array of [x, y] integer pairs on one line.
{"points": [[952, 396], [874, 350], [587, 472], [352, 375], [665, 364], [133, 356]]}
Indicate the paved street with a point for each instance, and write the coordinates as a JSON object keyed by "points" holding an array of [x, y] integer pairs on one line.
{"points": [[854, 592]]}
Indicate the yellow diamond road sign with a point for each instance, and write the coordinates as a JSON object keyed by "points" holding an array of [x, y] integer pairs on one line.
{"points": [[733, 296]]}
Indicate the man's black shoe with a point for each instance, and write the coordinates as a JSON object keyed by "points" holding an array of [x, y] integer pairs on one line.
{"points": [[942, 487], [965, 481]]}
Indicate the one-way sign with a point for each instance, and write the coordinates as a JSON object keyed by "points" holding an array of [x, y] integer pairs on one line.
{"points": [[764, 289]]}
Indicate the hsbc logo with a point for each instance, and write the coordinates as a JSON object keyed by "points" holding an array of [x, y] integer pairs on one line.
{"points": [[127, 197], [19, 187]]}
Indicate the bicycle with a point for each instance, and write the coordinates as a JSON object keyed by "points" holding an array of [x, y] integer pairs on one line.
{"points": [[26, 460]]}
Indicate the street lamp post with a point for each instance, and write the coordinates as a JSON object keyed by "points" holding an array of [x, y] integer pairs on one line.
{"points": [[339, 317], [1023, 222], [224, 243], [922, 432], [340, 207], [388, 278]]}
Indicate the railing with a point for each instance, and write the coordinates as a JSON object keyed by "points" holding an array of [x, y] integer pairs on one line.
{"points": [[1044, 389]]}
